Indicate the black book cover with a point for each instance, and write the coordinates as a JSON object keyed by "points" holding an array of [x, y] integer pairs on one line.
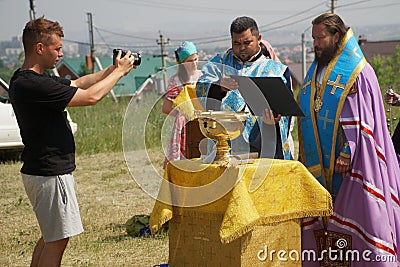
{"points": [[272, 93]]}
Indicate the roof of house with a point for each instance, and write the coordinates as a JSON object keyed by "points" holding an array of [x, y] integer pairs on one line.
{"points": [[382, 48], [128, 84], [370, 49]]}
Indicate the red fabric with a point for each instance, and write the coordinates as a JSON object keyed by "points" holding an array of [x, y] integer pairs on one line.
{"points": [[176, 146]]}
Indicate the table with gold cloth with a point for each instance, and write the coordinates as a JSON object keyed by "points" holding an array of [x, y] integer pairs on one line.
{"points": [[259, 196]]}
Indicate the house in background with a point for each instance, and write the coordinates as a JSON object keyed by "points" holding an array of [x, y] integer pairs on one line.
{"points": [[135, 83], [369, 49], [67, 68], [381, 48]]}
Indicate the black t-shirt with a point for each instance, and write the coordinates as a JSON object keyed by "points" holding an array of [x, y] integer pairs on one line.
{"points": [[39, 103]]}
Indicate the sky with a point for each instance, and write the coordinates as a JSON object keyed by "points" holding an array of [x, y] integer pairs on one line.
{"points": [[204, 22]]}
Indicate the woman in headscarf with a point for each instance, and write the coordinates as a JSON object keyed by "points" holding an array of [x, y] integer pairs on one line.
{"points": [[187, 58]]}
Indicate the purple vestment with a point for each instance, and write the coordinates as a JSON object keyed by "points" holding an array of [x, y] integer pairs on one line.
{"points": [[367, 206]]}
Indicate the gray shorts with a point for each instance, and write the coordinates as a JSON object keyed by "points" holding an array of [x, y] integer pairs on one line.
{"points": [[54, 202]]}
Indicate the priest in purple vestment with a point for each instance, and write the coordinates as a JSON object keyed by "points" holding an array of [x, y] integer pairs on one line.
{"points": [[345, 144]]}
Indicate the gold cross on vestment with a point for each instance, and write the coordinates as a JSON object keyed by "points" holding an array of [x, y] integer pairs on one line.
{"points": [[305, 87], [311, 153], [336, 84], [352, 53], [326, 119]]}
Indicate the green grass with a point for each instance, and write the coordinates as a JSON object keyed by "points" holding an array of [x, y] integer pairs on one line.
{"points": [[99, 126], [107, 196]]}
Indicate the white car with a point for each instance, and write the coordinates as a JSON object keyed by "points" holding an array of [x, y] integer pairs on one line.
{"points": [[10, 138]]}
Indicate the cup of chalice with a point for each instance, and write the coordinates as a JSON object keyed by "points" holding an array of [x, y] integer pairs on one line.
{"points": [[221, 126]]}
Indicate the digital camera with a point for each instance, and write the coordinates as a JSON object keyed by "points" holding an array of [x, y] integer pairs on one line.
{"points": [[137, 58]]}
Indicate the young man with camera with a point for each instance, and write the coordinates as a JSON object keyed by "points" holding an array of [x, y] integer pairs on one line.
{"points": [[39, 101]]}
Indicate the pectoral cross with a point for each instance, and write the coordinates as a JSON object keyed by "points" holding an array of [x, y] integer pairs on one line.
{"points": [[318, 104], [336, 84]]}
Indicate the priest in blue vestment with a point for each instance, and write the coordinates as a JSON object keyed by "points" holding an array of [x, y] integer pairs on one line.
{"points": [[216, 90], [344, 142]]}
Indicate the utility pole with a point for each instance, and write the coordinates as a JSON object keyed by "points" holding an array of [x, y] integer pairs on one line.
{"points": [[32, 13], [303, 53], [90, 22], [162, 43], [93, 59], [333, 6]]}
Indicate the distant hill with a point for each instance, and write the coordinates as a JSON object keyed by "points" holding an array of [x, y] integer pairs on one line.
{"points": [[372, 33]]}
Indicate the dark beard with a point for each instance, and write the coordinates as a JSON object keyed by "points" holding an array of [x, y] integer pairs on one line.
{"points": [[326, 55]]}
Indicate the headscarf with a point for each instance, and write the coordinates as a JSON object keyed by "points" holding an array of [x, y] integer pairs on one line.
{"points": [[185, 50]]}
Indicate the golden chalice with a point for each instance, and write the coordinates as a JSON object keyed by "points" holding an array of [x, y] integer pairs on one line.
{"points": [[221, 126]]}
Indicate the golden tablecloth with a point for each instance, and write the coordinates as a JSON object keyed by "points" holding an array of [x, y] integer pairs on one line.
{"points": [[267, 191]]}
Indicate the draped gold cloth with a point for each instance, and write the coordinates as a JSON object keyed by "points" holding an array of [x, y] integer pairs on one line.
{"points": [[266, 192], [186, 102]]}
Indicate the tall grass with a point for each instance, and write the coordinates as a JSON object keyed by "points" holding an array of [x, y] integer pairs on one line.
{"points": [[100, 127]]}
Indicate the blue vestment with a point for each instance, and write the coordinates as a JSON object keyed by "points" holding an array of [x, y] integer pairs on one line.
{"points": [[323, 136], [225, 65]]}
